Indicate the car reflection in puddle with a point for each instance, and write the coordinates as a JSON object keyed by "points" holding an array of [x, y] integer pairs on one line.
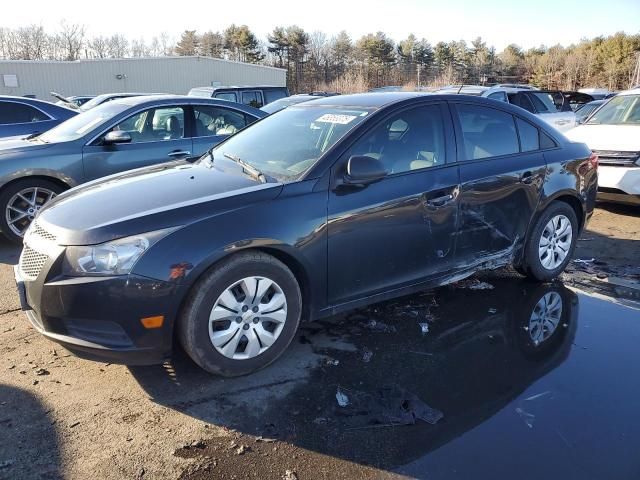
{"points": [[507, 367]]}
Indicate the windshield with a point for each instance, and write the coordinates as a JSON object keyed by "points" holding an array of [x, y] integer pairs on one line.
{"points": [[620, 110], [82, 123], [287, 144]]}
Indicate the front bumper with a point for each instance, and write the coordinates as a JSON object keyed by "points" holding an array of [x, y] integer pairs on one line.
{"points": [[626, 180], [98, 318]]}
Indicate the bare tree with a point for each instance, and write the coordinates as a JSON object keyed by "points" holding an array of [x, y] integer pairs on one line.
{"points": [[139, 48], [118, 46], [99, 47], [72, 36]]}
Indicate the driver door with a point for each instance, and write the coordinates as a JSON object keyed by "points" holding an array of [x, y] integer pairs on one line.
{"points": [[402, 229], [157, 136]]}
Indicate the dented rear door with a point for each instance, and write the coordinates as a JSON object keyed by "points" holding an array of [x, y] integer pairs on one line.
{"points": [[500, 183]]}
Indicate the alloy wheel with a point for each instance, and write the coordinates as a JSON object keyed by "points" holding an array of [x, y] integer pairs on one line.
{"points": [[555, 242], [23, 206], [545, 317], [247, 318]]}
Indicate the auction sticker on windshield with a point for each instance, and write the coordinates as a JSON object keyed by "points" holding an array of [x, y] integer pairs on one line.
{"points": [[335, 118]]}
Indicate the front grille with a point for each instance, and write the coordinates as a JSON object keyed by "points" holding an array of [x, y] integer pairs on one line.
{"points": [[41, 232], [31, 262], [617, 159]]}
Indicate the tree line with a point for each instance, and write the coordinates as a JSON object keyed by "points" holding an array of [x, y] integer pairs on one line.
{"points": [[315, 61]]}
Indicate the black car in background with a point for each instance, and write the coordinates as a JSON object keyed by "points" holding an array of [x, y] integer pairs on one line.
{"points": [[254, 96], [327, 206], [20, 116]]}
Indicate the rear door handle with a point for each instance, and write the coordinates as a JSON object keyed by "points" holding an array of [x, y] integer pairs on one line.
{"points": [[179, 153], [526, 178], [440, 201]]}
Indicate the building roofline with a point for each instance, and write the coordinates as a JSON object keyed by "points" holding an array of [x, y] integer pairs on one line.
{"points": [[129, 59]]}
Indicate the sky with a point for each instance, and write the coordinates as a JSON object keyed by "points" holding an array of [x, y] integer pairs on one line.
{"points": [[498, 22]]}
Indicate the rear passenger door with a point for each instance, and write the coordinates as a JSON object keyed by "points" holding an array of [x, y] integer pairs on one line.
{"points": [[157, 136], [212, 124], [502, 169]]}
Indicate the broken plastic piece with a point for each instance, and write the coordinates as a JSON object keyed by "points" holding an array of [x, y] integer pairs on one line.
{"points": [[424, 327], [342, 398], [366, 355]]}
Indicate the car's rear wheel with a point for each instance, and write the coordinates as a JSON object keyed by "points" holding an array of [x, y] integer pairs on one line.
{"points": [[551, 243], [242, 315], [20, 202]]}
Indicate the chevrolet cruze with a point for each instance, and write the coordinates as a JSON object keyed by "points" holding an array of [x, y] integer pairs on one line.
{"points": [[317, 209]]}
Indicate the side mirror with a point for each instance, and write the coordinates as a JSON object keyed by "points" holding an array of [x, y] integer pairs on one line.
{"points": [[115, 137], [363, 170]]}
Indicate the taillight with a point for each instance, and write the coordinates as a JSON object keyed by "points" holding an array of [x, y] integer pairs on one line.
{"points": [[588, 165]]}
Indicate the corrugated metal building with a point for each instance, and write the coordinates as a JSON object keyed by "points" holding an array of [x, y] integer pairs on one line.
{"points": [[157, 74]]}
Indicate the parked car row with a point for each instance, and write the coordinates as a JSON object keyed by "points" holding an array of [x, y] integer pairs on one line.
{"points": [[324, 206]]}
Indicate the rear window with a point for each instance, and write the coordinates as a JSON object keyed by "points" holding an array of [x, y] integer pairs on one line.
{"points": [[487, 132], [12, 112]]}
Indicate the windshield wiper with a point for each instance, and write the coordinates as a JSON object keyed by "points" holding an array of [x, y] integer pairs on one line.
{"points": [[32, 136], [247, 167]]}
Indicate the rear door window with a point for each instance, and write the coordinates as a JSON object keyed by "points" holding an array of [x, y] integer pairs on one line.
{"points": [[522, 101], [486, 132], [252, 98], [212, 121]]}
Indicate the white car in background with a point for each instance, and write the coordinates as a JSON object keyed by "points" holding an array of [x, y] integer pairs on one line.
{"points": [[613, 133], [549, 105]]}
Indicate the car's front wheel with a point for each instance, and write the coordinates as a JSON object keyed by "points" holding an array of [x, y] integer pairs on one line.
{"points": [[242, 315], [21, 201], [551, 243]]}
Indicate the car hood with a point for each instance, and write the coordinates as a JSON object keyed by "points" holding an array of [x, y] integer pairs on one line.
{"points": [[624, 138], [14, 144], [149, 199]]}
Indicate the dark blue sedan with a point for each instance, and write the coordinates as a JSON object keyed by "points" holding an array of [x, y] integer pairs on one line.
{"points": [[110, 138], [26, 116]]}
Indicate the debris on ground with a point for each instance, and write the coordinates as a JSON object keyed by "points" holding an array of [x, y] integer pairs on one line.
{"points": [[527, 418], [473, 284], [5, 464], [377, 326], [290, 475], [242, 449], [41, 371], [492, 311], [389, 405], [365, 355], [342, 398], [424, 327], [331, 362]]}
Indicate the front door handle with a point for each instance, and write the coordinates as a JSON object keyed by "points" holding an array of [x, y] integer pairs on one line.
{"points": [[179, 153], [440, 201]]}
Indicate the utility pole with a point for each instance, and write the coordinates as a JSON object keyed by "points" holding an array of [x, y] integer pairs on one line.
{"points": [[418, 70], [635, 81]]}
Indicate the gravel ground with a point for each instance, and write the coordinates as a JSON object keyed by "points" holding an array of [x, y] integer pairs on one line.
{"points": [[62, 417]]}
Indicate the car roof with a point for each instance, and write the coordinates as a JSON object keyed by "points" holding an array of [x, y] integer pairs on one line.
{"points": [[369, 100], [632, 91], [150, 100], [43, 104], [224, 87]]}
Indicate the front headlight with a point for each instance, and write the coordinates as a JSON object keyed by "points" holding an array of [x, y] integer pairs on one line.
{"points": [[117, 257]]}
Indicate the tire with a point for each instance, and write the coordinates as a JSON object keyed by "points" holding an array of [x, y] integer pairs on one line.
{"points": [[196, 333], [533, 263], [8, 196]]}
